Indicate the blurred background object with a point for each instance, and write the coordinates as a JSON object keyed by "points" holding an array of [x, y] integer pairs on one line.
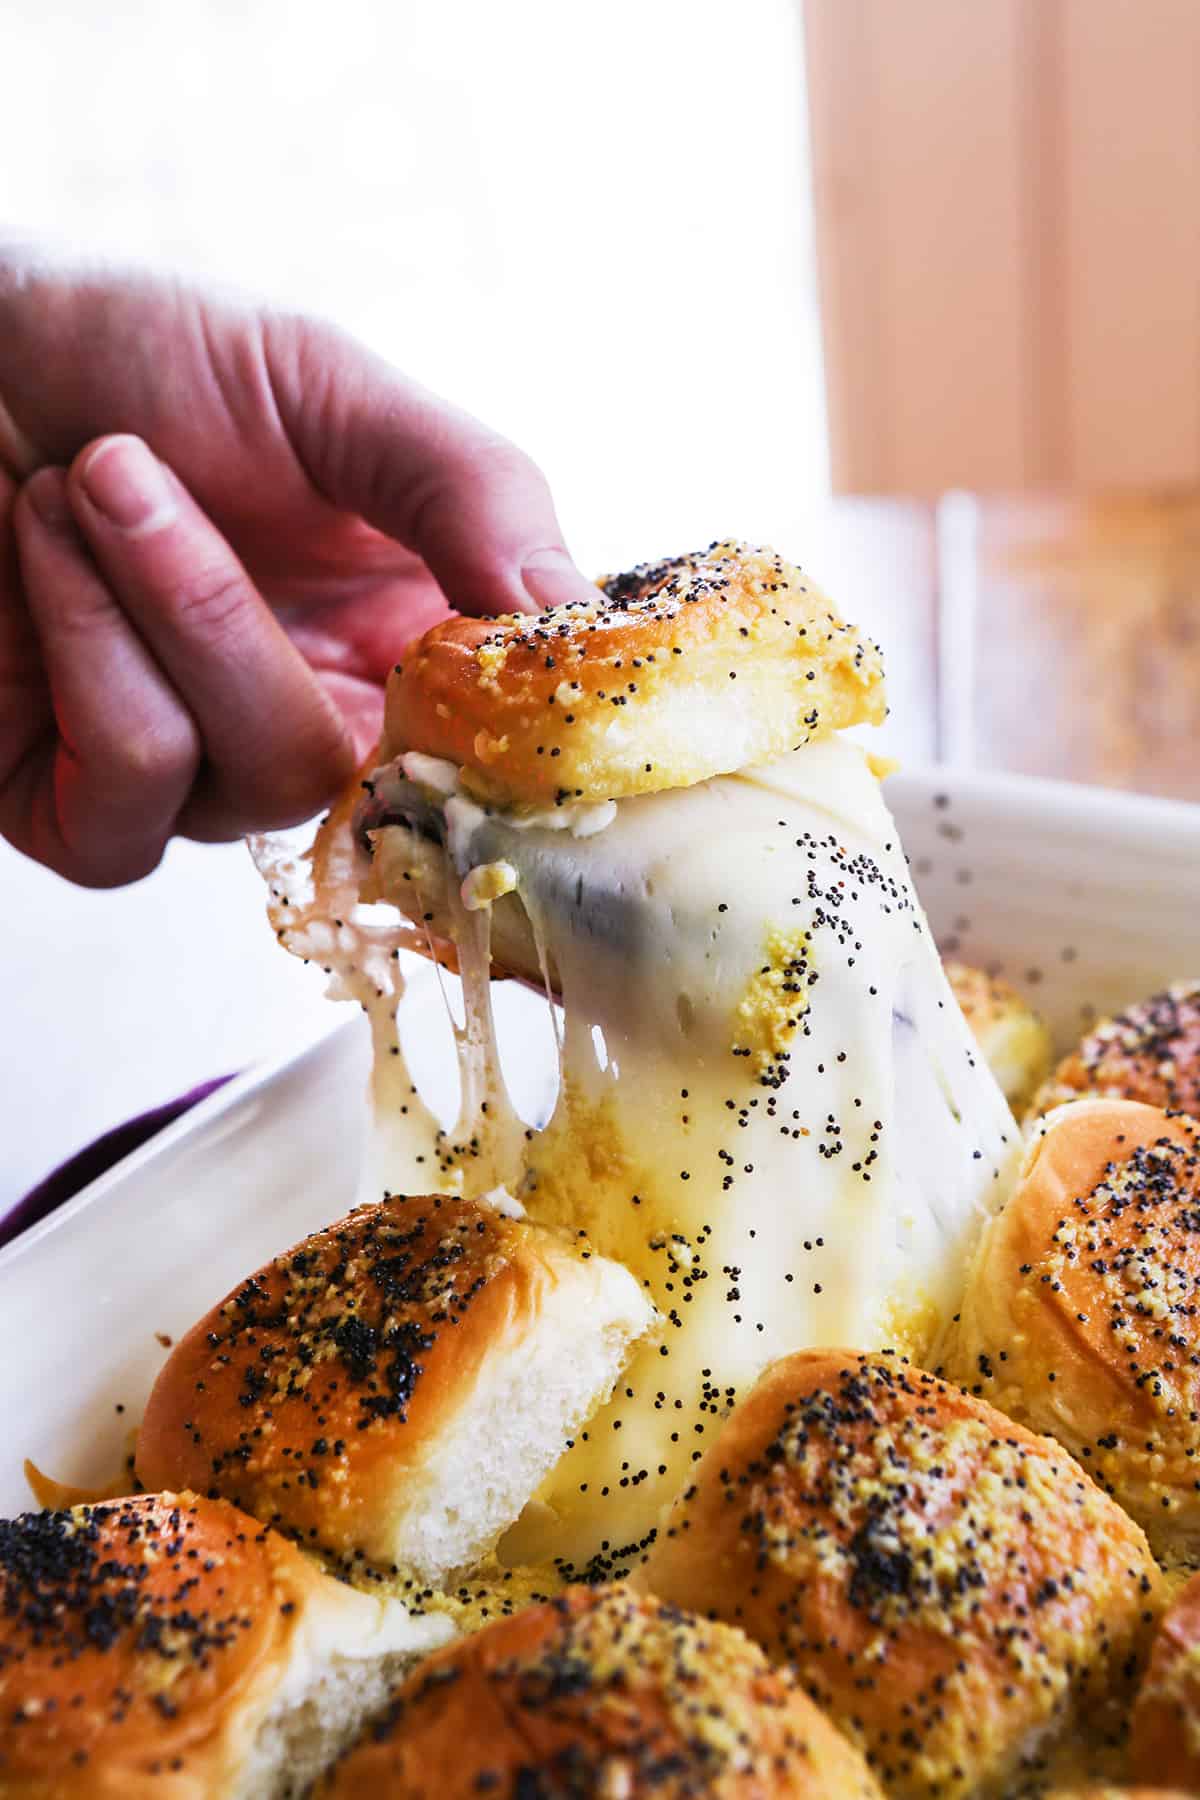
{"points": [[595, 228], [1005, 203]]}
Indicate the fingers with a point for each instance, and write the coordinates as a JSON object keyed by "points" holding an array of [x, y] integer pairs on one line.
{"points": [[97, 798], [275, 745], [472, 505], [24, 697], [26, 712], [178, 703]]}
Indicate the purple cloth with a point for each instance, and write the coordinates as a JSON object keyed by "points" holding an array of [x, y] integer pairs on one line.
{"points": [[86, 1164]]}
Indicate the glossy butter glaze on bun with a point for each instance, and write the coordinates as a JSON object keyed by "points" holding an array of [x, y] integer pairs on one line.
{"points": [[1165, 1736], [1108, 1792], [948, 1586], [1081, 1315], [680, 670], [396, 1385], [1149, 1052], [168, 1645], [606, 1695]]}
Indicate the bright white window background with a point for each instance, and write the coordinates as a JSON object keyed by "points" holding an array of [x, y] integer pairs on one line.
{"points": [[589, 224]]}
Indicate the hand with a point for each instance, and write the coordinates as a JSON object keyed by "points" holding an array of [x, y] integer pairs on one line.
{"points": [[218, 529]]}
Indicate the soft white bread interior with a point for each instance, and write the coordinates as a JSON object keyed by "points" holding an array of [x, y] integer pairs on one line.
{"points": [[171, 1646], [396, 1386]]}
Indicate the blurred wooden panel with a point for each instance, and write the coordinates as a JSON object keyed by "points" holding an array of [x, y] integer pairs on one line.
{"points": [[1130, 138], [920, 202], [1005, 200], [846, 200], [1081, 627]]}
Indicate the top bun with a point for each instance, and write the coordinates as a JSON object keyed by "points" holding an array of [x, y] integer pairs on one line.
{"points": [[1106, 1792], [601, 1693], [169, 1645], [1013, 1038], [679, 671], [1079, 1311], [396, 1386], [1164, 1743], [947, 1585], [1150, 1052]]}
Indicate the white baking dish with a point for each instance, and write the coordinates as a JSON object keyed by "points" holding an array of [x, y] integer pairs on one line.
{"points": [[1087, 899]]}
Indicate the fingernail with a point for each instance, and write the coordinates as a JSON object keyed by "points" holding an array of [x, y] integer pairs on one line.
{"points": [[550, 578], [125, 481], [47, 492]]}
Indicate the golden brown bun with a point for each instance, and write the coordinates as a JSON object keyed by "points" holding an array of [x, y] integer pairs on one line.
{"points": [[396, 1385], [145, 1644], [1150, 1052], [1013, 1038], [679, 671], [946, 1584], [1108, 1792], [601, 1693], [1080, 1316], [1165, 1734]]}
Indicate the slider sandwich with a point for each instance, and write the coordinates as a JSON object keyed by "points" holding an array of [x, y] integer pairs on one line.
{"points": [[606, 1694], [1149, 1052], [394, 1388], [1164, 1742], [1013, 1037], [170, 1646], [951, 1589], [1079, 1316], [770, 1110], [1106, 1791]]}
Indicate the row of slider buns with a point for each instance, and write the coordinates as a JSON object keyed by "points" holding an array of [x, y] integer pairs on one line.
{"points": [[878, 1580]]}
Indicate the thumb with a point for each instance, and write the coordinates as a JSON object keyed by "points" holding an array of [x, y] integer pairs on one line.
{"points": [[472, 506]]}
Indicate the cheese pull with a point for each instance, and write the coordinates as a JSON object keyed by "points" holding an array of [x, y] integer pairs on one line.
{"points": [[770, 1107]]}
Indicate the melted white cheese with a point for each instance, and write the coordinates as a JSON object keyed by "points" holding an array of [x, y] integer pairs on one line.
{"points": [[582, 818], [433, 773], [318, 918], [771, 1108]]}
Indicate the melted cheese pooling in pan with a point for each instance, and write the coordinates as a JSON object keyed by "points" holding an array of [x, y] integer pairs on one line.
{"points": [[771, 1108]]}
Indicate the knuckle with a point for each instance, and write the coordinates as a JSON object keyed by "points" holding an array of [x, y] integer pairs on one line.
{"points": [[84, 609], [490, 478], [496, 462], [44, 496], [211, 597], [159, 757]]}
